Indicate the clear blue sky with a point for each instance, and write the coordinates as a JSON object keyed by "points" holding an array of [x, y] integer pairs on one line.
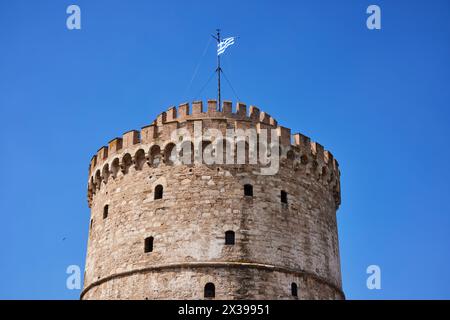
{"points": [[379, 100]]}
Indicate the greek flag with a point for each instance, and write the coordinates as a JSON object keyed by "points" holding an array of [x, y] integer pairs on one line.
{"points": [[225, 43]]}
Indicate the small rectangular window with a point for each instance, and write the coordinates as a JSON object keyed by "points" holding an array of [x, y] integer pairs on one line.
{"points": [[229, 237], [148, 247], [248, 190]]}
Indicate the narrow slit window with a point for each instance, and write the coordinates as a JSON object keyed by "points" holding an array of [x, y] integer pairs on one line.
{"points": [[284, 197], [105, 211], [148, 247], [294, 289]]}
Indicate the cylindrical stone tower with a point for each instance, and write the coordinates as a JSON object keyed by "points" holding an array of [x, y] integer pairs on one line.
{"points": [[164, 230]]}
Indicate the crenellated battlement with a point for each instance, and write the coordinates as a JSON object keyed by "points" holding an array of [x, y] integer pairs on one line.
{"points": [[152, 145], [173, 118], [205, 196]]}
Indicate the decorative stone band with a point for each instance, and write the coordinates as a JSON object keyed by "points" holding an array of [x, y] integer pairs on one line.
{"points": [[215, 264]]}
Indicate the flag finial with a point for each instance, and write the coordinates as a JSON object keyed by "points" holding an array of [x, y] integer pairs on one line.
{"points": [[221, 46]]}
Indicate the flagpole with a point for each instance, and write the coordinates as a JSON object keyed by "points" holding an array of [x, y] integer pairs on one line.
{"points": [[219, 70]]}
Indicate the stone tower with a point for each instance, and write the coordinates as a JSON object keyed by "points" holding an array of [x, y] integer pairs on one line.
{"points": [[164, 230]]}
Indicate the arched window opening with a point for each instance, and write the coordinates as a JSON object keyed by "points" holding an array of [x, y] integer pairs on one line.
{"points": [[98, 179], [229, 237], [284, 198], [207, 152], [304, 159], [290, 155], [210, 290], [115, 167], [253, 151], [91, 186], [105, 211], [242, 151], [228, 151], [155, 155], [205, 144], [219, 151], [315, 164], [148, 244], [159, 192], [105, 173], [248, 190], [261, 148], [170, 154], [186, 154], [294, 290], [140, 159], [127, 161]]}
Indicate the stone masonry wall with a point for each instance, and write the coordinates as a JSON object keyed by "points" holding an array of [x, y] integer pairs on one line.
{"points": [[276, 244]]}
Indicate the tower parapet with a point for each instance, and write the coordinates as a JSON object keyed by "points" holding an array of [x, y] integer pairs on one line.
{"points": [[296, 240]]}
